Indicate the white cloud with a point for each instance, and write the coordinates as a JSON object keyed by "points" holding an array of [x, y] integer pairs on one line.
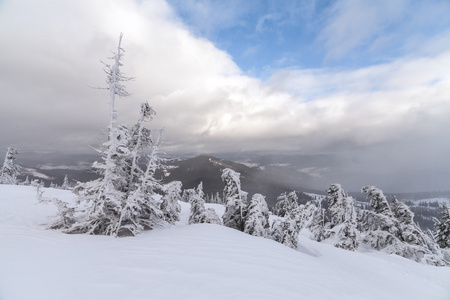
{"points": [[51, 55], [383, 27]]}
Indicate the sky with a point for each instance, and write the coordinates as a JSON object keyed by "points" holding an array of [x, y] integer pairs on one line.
{"points": [[365, 81]]}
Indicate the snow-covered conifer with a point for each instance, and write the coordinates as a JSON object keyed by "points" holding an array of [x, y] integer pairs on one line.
{"points": [[343, 218], [140, 209], [210, 217], [187, 195], [442, 227], [198, 213], [378, 201], [257, 219], [217, 198], [65, 185], [9, 171], [286, 232], [393, 230], [197, 202], [123, 201], [318, 224], [402, 212], [304, 213], [169, 205], [235, 200], [286, 203]]}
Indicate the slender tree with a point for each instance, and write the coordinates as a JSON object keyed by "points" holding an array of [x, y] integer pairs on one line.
{"points": [[65, 185], [235, 199], [169, 205], [257, 219], [9, 171]]}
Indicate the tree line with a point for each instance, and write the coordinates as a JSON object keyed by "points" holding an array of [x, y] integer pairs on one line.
{"points": [[127, 198]]}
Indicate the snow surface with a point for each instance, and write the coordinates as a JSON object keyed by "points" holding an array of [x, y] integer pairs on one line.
{"points": [[201, 261]]}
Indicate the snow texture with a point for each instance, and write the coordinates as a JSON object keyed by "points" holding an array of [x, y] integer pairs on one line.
{"points": [[201, 261]]}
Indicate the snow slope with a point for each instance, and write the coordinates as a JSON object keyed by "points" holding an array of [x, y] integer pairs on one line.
{"points": [[190, 262]]}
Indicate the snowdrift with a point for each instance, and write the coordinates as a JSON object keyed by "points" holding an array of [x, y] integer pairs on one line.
{"points": [[190, 262]]}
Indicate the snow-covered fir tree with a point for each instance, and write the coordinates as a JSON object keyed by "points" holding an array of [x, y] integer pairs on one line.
{"points": [[343, 218], [197, 202], [218, 199], [304, 213], [442, 227], [198, 212], [286, 203], [123, 200], [9, 171], [317, 224], [377, 200], [213, 198], [257, 219], [169, 205], [235, 200], [65, 185], [210, 217], [187, 195], [393, 231], [286, 231]]}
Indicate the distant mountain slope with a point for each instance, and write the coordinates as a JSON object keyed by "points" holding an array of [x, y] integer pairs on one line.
{"points": [[208, 169]]}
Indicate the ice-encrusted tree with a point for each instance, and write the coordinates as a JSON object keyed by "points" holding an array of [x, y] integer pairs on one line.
{"points": [[393, 231], [304, 213], [123, 200], [65, 185], [318, 224], [257, 219], [235, 200], [442, 227], [286, 231], [169, 205], [187, 194], [198, 212], [197, 202], [402, 212], [9, 171], [377, 200], [210, 217], [343, 218], [286, 203]]}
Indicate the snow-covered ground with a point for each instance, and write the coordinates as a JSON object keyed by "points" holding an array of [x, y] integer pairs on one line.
{"points": [[190, 262]]}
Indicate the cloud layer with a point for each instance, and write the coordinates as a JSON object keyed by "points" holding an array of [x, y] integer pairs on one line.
{"points": [[394, 114]]}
